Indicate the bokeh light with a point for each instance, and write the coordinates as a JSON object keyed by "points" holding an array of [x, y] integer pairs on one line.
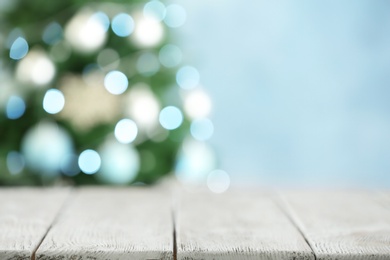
{"points": [[13, 35], [197, 104], [36, 68], [218, 181], [108, 59], [60, 51], [15, 162], [170, 55], [86, 32], [89, 161], [69, 165], [195, 161], [15, 107], [103, 19], [143, 106], [170, 117], [155, 9], [44, 146], [202, 129], [147, 64], [187, 77], [148, 31], [52, 33], [120, 163], [89, 87], [19, 49], [122, 25], [175, 16], [53, 101], [116, 82], [126, 131]]}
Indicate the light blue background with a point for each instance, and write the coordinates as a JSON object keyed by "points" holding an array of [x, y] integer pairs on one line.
{"points": [[301, 89]]}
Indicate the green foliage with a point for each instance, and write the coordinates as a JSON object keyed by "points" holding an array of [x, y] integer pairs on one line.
{"points": [[32, 17]]}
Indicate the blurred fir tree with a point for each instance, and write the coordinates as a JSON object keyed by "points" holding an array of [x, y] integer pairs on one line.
{"points": [[71, 71]]}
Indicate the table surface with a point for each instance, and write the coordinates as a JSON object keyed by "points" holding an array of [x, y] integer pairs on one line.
{"points": [[164, 223]]}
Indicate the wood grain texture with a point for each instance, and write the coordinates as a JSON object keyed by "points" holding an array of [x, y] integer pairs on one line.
{"points": [[25, 216], [342, 224], [112, 223], [236, 225]]}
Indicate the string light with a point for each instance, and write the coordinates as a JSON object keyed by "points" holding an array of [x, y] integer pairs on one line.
{"points": [[36, 68], [19, 49], [89, 161], [195, 161], [103, 19], [54, 101], [147, 64], [126, 131], [187, 77], [155, 9], [52, 33], [44, 146], [175, 16], [170, 117], [170, 56], [120, 163], [202, 129], [15, 107], [122, 25], [197, 104], [15, 162], [143, 106], [69, 165], [86, 32], [148, 31], [13, 35], [116, 82], [108, 59]]}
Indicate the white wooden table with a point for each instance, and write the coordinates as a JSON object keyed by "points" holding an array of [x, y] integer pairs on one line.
{"points": [[157, 223]]}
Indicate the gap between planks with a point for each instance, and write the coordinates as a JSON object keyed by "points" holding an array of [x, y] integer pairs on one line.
{"points": [[174, 211], [342, 224], [284, 200], [112, 223], [236, 225], [281, 202], [23, 223], [61, 209]]}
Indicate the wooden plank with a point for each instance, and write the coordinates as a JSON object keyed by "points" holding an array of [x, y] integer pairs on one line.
{"points": [[112, 223], [342, 224], [236, 225], [383, 198], [25, 216]]}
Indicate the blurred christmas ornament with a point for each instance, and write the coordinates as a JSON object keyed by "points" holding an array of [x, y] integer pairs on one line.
{"points": [[45, 146], [88, 104], [120, 163]]}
